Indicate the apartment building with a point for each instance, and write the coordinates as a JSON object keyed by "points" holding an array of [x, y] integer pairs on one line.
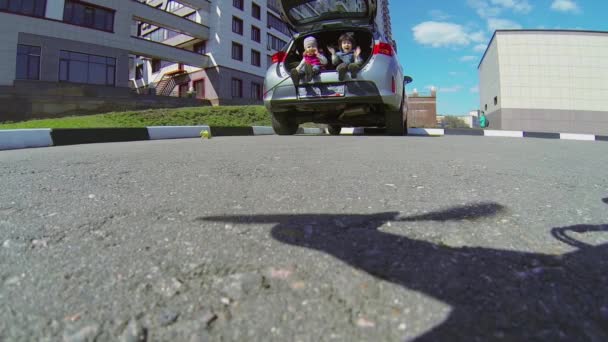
{"points": [[243, 36], [51, 46]]}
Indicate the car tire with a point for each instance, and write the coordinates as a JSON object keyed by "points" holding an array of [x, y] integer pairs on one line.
{"points": [[396, 121], [283, 124], [334, 129]]}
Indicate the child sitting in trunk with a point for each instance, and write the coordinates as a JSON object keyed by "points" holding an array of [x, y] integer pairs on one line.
{"points": [[348, 58], [311, 64]]}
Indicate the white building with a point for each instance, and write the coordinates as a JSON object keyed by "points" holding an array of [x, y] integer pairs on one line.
{"points": [[243, 36], [546, 81]]}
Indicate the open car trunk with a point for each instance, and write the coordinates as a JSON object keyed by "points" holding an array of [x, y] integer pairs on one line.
{"points": [[306, 15], [329, 38]]}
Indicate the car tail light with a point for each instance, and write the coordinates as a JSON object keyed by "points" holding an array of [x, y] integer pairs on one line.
{"points": [[393, 85], [383, 49], [279, 57]]}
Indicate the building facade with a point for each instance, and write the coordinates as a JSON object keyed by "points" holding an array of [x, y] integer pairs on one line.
{"points": [[546, 81], [243, 36], [67, 55], [71, 49], [383, 19]]}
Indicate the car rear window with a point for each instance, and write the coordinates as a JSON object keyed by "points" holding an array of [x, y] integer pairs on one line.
{"points": [[314, 10]]}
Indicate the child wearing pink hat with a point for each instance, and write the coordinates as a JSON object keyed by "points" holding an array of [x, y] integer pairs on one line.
{"points": [[311, 64]]}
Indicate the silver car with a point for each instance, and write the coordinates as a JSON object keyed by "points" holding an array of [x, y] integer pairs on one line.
{"points": [[375, 98]]}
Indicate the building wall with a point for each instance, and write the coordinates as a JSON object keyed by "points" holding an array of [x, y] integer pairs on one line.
{"points": [[40, 99], [219, 45], [11, 25], [549, 81], [49, 56], [562, 70], [219, 50], [422, 111], [489, 79]]}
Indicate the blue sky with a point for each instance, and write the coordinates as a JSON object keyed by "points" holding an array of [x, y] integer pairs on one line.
{"points": [[440, 43]]}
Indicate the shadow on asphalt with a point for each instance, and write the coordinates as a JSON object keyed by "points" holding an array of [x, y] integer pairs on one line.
{"points": [[494, 294]]}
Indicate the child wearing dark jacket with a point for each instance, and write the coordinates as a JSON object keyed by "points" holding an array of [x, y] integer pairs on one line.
{"points": [[349, 56]]}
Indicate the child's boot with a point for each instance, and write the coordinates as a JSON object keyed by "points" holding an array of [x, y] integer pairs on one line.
{"points": [[354, 69], [341, 71], [307, 73], [295, 76]]}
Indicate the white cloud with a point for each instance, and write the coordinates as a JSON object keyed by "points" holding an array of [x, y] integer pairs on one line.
{"points": [[493, 8], [519, 6], [568, 6], [475, 89], [480, 48], [501, 24], [468, 58], [444, 34], [484, 9], [439, 15]]}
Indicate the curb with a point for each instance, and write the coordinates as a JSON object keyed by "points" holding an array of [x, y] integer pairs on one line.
{"points": [[46, 137], [507, 134]]}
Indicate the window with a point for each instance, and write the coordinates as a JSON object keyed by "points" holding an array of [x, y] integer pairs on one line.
{"points": [[237, 25], [256, 91], [199, 88], [237, 51], [256, 34], [82, 68], [139, 72], [256, 58], [82, 14], [495, 100], [183, 89], [155, 65], [486, 107], [28, 62], [237, 88], [200, 48], [36, 8], [268, 61], [275, 43], [256, 11], [238, 4], [278, 24]]}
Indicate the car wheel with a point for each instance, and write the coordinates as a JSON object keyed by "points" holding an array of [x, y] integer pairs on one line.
{"points": [[283, 124], [395, 121], [334, 129]]}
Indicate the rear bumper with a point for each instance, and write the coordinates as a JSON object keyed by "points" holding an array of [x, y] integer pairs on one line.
{"points": [[284, 97]]}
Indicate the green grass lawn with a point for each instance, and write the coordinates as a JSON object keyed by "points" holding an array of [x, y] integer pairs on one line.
{"points": [[212, 116]]}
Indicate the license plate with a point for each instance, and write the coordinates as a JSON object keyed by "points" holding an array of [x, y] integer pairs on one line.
{"points": [[311, 91]]}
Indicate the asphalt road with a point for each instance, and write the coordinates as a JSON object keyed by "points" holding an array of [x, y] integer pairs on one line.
{"points": [[306, 238]]}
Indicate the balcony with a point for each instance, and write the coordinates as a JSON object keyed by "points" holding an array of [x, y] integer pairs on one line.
{"points": [[157, 17]]}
